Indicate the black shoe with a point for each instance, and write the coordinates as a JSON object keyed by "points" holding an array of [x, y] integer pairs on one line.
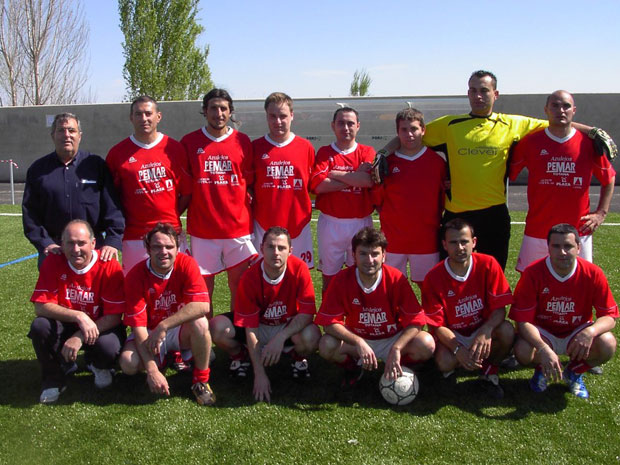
{"points": [[239, 369], [300, 370], [490, 384], [351, 378]]}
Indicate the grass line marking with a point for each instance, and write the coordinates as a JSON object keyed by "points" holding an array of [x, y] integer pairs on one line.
{"points": [[18, 260]]}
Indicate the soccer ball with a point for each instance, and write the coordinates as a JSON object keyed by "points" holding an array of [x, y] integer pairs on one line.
{"points": [[402, 390]]}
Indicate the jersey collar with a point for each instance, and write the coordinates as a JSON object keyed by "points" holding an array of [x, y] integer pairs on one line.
{"points": [[557, 276], [147, 146], [413, 157], [344, 152], [229, 131], [561, 140], [88, 267], [273, 282], [159, 275], [280, 144], [368, 290], [456, 276]]}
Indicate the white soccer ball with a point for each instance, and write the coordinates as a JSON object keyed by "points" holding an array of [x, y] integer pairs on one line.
{"points": [[402, 390]]}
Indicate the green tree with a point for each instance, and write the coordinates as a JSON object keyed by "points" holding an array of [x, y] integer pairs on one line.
{"points": [[360, 84], [162, 58]]}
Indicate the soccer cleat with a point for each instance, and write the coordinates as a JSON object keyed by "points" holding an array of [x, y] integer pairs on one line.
{"points": [[490, 384], [103, 376], [351, 378], [203, 393], [576, 384], [596, 370], [239, 368], [300, 369], [538, 382], [51, 395], [178, 363]]}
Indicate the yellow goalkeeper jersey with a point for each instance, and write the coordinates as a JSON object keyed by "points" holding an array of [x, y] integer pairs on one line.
{"points": [[477, 151]]}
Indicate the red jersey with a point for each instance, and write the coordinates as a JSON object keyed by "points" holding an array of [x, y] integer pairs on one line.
{"points": [[96, 290], [410, 202], [264, 301], [464, 303], [559, 173], [149, 179], [377, 313], [152, 298], [559, 305], [281, 174], [220, 207], [351, 202]]}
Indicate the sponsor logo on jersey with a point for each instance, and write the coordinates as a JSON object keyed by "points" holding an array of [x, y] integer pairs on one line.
{"points": [[451, 293], [577, 319], [264, 157], [153, 174], [297, 183], [544, 152], [356, 301], [169, 185], [165, 301], [234, 179], [280, 170], [561, 305], [217, 166], [561, 168], [275, 311], [487, 151], [132, 159], [199, 151], [372, 316], [63, 277], [545, 290], [391, 328], [468, 306], [80, 296], [396, 170], [578, 181]]}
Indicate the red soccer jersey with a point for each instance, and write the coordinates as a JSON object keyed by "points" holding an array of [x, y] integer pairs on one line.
{"points": [[351, 202], [96, 290], [149, 179], [559, 305], [389, 307], [151, 298], [411, 202], [465, 303], [281, 174], [559, 173], [220, 207], [261, 300]]}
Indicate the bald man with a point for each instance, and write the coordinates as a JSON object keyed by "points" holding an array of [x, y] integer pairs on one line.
{"points": [[560, 162]]}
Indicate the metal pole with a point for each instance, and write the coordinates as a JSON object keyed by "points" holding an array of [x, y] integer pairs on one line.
{"points": [[12, 185]]}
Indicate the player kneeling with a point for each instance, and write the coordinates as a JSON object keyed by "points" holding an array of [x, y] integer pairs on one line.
{"points": [[167, 301], [370, 313], [464, 297], [273, 314], [553, 310]]}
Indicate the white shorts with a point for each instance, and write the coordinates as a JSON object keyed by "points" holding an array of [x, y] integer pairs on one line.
{"points": [[382, 347], [465, 341], [533, 248], [171, 343], [216, 255], [302, 244], [334, 238], [559, 344], [266, 333], [134, 252], [419, 264]]}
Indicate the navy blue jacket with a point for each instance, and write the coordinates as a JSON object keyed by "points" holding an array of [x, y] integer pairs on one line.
{"points": [[56, 194]]}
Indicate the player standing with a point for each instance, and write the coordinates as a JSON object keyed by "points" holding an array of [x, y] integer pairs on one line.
{"points": [[553, 309], [152, 180], [167, 304], [464, 298], [560, 162], [273, 314], [410, 201], [370, 313], [341, 180], [219, 217], [282, 166], [78, 300]]}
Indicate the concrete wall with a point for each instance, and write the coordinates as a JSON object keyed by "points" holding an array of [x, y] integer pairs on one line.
{"points": [[25, 131]]}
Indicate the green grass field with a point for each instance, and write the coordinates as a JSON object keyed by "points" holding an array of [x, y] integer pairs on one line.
{"points": [[313, 423]]}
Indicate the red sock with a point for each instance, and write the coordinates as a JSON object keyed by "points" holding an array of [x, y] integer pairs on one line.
{"points": [[200, 376], [349, 363], [489, 368], [578, 367]]}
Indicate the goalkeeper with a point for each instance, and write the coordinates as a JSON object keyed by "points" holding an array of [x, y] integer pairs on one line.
{"points": [[560, 163], [477, 145]]}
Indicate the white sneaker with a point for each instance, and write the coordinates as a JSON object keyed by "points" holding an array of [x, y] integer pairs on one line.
{"points": [[51, 395], [103, 376]]}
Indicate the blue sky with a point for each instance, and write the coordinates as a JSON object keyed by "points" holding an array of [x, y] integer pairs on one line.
{"points": [[311, 49]]}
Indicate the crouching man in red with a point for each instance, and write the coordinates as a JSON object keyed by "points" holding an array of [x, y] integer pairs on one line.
{"points": [[167, 303], [370, 313], [553, 310]]}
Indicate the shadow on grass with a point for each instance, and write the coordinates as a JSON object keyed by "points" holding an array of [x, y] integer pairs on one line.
{"points": [[21, 389]]}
